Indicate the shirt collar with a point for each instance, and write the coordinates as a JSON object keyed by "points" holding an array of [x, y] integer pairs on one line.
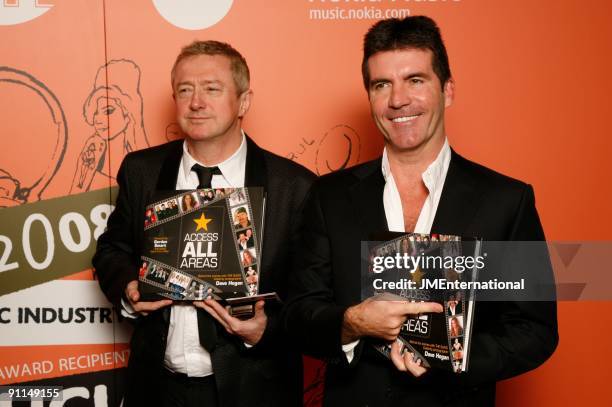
{"points": [[232, 169], [434, 174]]}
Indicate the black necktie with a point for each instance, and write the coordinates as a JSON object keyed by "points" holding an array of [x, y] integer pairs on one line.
{"points": [[205, 175], [206, 323]]}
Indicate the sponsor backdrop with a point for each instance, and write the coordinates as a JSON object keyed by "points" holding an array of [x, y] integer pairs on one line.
{"points": [[84, 82]]}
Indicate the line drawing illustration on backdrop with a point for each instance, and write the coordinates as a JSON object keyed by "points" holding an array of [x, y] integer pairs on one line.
{"points": [[339, 148], [24, 184], [173, 132], [114, 110]]}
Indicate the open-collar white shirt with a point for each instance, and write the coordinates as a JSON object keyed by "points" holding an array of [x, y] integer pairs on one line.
{"points": [[433, 178]]}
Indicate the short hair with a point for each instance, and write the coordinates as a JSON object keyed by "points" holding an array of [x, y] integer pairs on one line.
{"points": [[241, 209], [240, 69], [418, 32]]}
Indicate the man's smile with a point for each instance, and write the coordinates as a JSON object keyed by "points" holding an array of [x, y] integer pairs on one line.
{"points": [[403, 119]]}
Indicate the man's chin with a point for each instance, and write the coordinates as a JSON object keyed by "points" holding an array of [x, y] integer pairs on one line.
{"points": [[404, 143], [410, 142], [199, 136]]}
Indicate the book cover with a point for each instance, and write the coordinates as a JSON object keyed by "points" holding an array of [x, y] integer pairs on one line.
{"points": [[428, 268], [202, 243]]}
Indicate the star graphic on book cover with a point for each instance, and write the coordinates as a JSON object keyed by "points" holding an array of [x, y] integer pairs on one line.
{"points": [[202, 223], [417, 276]]}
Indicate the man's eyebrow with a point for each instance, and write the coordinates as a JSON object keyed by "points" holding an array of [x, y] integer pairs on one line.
{"points": [[210, 81], [417, 75], [184, 83], [376, 81], [203, 82]]}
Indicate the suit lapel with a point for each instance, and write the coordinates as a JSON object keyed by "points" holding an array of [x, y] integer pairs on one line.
{"points": [[256, 176], [367, 196], [166, 181], [255, 167], [459, 199], [456, 210], [170, 167]]}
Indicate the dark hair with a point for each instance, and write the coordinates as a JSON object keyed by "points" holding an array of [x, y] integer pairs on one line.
{"points": [[411, 32], [192, 204], [240, 69]]}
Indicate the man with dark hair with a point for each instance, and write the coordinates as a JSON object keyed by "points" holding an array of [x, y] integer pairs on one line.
{"points": [[418, 185], [186, 355], [417, 32]]}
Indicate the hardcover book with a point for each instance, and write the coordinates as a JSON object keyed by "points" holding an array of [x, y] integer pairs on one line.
{"points": [[202, 243], [430, 268]]}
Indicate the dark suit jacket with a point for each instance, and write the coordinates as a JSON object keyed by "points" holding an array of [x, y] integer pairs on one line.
{"points": [[346, 207], [270, 373]]}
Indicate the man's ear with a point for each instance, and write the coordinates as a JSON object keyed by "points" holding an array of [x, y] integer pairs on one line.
{"points": [[449, 92], [245, 102]]}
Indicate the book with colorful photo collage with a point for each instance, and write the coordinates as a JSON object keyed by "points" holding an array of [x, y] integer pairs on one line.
{"points": [[202, 243], [427, 262]]}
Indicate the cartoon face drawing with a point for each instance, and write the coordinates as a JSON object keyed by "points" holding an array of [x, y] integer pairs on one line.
{"points": [[109, 116], [114, 109]]}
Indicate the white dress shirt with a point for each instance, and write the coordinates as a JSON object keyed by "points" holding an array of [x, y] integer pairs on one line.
{"points": [[433, 178], [184, 353]]}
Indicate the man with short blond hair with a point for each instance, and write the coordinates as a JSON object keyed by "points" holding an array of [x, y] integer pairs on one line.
{"points": [[239, 67], [197, 354]]}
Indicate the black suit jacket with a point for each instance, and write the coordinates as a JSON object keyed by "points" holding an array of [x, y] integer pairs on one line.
{"points": [[346, 207], [270, 373]]}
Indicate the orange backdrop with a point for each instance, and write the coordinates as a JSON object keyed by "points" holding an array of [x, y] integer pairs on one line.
{"points": [[531, 99]]}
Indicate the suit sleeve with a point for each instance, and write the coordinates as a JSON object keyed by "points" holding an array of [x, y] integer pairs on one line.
{"points": [[274, 336], [312, 317], [116, 260], [517, 336]]}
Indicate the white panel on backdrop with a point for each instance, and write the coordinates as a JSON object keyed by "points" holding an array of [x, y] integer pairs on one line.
{"points": [[193, 14], [21, 11], [60, 312]]}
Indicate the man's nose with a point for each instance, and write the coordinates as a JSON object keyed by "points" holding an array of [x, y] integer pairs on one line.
{"points": [[400, 96], [197, 101]]}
